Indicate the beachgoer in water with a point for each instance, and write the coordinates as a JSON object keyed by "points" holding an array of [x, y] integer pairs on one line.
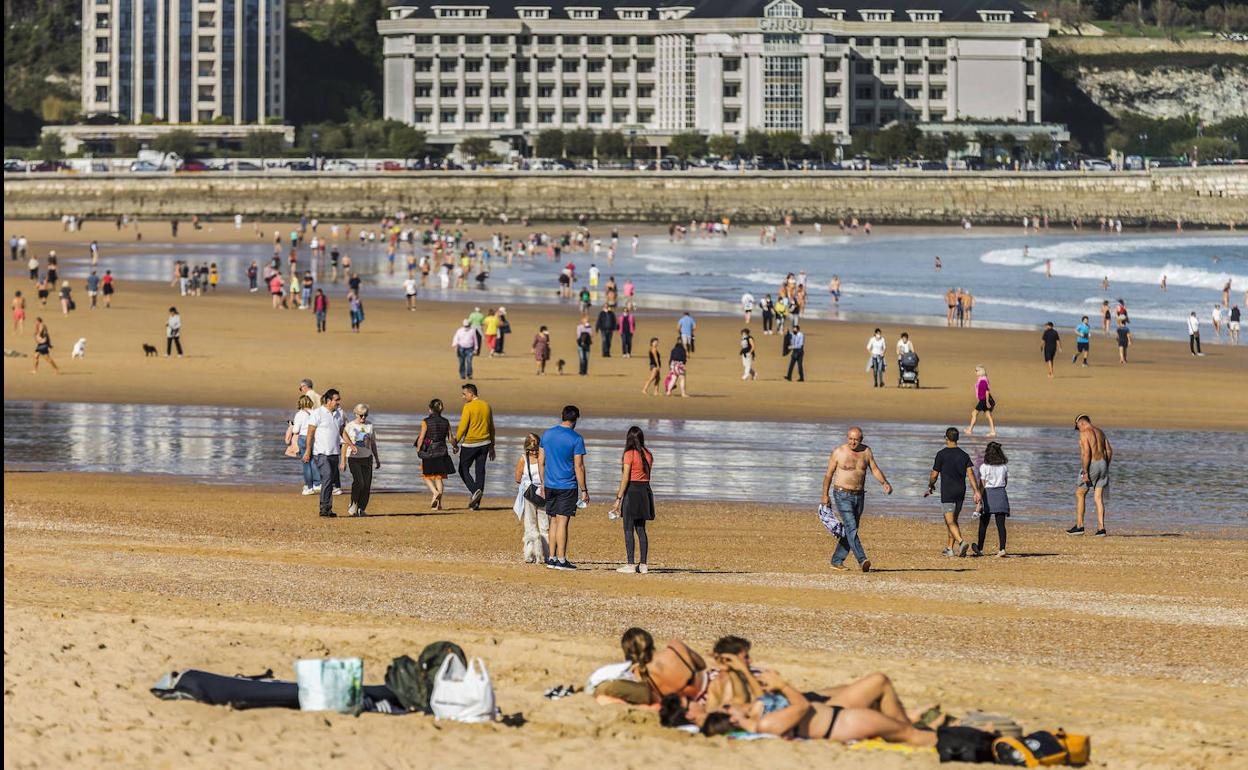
{"points": [[360, 456], [984, 403], [993, 477], [435, 456], [951, 301], [844, 484], [534, 520], [1095, 454], [634, 500], [955, 470]]}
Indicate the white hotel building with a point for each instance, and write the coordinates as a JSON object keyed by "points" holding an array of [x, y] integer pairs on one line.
{"points": [[511, 70]]}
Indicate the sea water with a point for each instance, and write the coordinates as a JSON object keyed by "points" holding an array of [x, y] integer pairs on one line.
{"points": [[1161, 479]]}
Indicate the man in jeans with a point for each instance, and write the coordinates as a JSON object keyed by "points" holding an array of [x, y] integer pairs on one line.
{"points": [[324, 447], [797, 354], [846, 477], [465, 344], [475, 439], [562, 458]]}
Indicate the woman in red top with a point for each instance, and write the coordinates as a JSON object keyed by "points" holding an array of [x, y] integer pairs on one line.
{"points": [[634, 501]]}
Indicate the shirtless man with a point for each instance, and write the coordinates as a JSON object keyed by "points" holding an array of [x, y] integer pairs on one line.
{"points": [[951, 302], [1096, 455], [846, 476]]}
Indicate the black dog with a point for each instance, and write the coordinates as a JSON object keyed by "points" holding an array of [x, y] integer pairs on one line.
{"points": [[150, 350], [561, 364]]}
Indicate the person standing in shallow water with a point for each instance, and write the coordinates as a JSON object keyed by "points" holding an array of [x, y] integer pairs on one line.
{"points": [[954, 469], [993, 477], [844, 484], [435, 457], [1095, 454]]}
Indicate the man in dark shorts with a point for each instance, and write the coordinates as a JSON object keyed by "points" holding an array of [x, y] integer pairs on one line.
{"points": [[561, 455], [1051, 345], [955, 470]]}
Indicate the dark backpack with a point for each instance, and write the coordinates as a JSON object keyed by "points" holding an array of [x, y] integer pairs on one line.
{"points": [[412, 680]]}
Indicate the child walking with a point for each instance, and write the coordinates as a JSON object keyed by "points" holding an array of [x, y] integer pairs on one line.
{"points": [[994, 476]]}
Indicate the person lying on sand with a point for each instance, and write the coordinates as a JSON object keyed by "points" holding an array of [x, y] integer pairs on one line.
{"points": [[785, 711], [674, 669]]}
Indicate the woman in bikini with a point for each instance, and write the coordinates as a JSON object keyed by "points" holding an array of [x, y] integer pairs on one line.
{"points": [[672, 670]]}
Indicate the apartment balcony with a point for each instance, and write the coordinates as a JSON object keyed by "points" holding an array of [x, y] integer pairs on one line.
{"points": [[914, 52]]}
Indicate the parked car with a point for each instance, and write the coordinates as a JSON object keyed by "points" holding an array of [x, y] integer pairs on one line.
{"points": [[48, 165], [13, 165], [392, 165], [300, 165], [340, 164], [144, 166], [931, 165], [190, 166], [1097, 164]]}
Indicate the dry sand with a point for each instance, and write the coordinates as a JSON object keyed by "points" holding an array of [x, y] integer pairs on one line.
{"points": [[111, 581], [241, 352]]}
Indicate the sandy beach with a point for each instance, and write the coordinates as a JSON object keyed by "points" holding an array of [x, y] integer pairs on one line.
{"points": [[113, 580]]}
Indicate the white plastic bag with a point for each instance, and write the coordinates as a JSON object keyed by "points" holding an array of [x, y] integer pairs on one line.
{"points": [[331, 684], [609, 672], [463, 694]]}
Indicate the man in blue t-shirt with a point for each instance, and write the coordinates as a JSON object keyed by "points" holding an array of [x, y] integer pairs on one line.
{"points": [[562, 458], [686, 325], [1082, 339]]}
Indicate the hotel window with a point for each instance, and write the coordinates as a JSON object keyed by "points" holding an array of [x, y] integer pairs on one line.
{"points": [[835, 40], [545, 65], [498, 65], [914, 92], [449, 116], [831, 92], [534, 13], [596, 116], [914, 42], [472, 40], [595, 65], [863, 116], [619, 41], [545, 39], [101, 93], [731, 90], [448, 65], [207, 19], [442, 12], [422, 65], [205, 116], [546, 116], [424, 91], [863, 67], [864, 92], [876, 15], [571, 92], [997, 17], [831, 65], [831, 116], [206, 93], [732, 64], [645, 65], [732, 116], [783, 90], [1031, 93], [936, 42], [645, 92], [937, 116], [583, 14], [645, 40], [924, 15], [472, 116], [420, 116], [571, 65], [207, 45], [571, 116], [422, 39], [936, 93], [101, 45], [594, 40], [498, 116], [619, 92], [784, 9], [914, 68], [472, 91], [522, 65], [522, 92], [887, 116], [619, 116], [448, 92], [595, 92], [888, 68], [498, 91], [936, 68], [206, 69], [645, 116], [833, 13], [545, 92], [634, 14], [888, 92], [101, 69], [472, 65]]}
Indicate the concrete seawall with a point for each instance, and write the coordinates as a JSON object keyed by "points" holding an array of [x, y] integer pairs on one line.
{"points": [[1208, 195]]}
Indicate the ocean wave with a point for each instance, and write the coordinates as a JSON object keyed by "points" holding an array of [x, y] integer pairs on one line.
{"points": [[1071, 259], [1090, 306]]}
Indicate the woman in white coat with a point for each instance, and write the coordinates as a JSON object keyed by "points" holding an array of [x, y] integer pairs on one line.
{"points": [[536, 522]]}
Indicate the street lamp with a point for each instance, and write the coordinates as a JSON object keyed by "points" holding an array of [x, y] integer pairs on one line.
{"points": [[316, 137], [632, 139]]}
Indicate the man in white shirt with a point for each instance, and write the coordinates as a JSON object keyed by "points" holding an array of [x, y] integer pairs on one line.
{"points": [[465, 344], [324, 445], [876, 347], [1193, 334], [797, 352], [747, 305], [409, 288]]}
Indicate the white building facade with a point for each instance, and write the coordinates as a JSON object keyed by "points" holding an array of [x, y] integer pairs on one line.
{"points": [[184, 61], [712, 66]]}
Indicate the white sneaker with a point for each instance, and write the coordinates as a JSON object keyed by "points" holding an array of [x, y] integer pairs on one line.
{"points": [[308, 491], [337, 490], [316, 488], [642, 569], [351, 509], [627, 569]]}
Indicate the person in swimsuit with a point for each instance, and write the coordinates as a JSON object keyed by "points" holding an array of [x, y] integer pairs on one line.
{"points": [[19, 313], [1096, 454], [1105, 317], [951, 303], [674, 670]]}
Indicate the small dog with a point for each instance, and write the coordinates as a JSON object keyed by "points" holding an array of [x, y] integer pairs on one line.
{"points": [[150, 350], [560, 364], [80, 348]]}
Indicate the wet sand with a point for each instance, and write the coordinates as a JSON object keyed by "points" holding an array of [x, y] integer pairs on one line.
{"points": [[111, 581]]}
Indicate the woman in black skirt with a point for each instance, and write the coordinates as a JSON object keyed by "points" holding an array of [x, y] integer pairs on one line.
{"points": [[634, 501], [434, 456]]}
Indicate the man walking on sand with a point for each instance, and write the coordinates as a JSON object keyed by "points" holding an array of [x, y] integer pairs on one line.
{"points": [[685, 326], [561, 455], [1050, 345], [465, 344], [844, 484], [324, 446], [955, 470], [797, 354], [1193, 334], [475, 439], [1095, 454], [1083, 340]]}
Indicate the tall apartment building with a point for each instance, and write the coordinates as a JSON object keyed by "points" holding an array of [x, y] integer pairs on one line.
{"points": [[184, 61], [483, 67]]}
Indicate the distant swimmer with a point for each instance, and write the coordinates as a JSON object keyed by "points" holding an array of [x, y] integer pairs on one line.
{"points": [[1105, 283], [1096, 454], [1163, 282], [834, 288], [938, 264], [1048, 268]]}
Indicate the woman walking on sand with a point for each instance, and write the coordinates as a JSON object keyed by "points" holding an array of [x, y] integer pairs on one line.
{"points": [[535, 521], [357, 311], [677, 360], [435, 458], [320, 308], [504, 328], [993, 476], [634, 500], [43, 346], [67, 300], [359, 453], [984, 403], [656, 369], [297, 434], [541, 349]]}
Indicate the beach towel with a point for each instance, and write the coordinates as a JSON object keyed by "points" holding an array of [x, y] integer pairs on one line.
{"points": [[827, 515]]}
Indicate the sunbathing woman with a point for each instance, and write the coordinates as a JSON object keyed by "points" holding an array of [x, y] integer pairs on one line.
{"points": [[675, 669], [785, 711]]}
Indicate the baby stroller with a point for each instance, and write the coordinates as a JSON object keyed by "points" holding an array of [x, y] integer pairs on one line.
{"points": [[908, 370]]}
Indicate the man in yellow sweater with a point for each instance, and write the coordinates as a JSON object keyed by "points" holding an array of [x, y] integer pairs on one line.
{"points": [[475, 440]]}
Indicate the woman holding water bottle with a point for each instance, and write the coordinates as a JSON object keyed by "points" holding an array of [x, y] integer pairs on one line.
{"points": [[634, 501], [359, 453]]}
